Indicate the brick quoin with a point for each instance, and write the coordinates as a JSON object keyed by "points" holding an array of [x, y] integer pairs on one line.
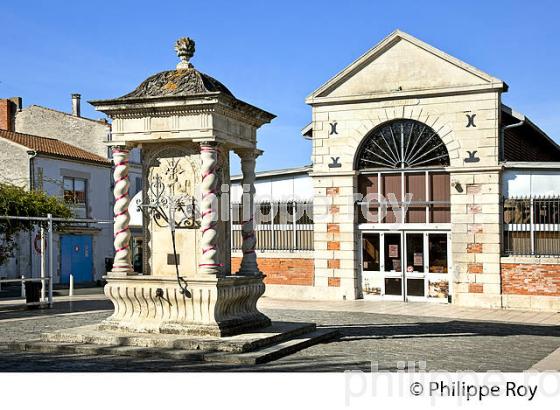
{"points": [[334, 282], [333, 264], [474, 268], [530, 279], [475, 209], [333, 228], [476, 288], [333, 191], [334, 209], [473, 189], [475, 228], [333, 246], [283, 271], [474, 248]]}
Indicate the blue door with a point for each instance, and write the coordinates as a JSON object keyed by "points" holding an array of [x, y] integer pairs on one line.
{"points": [[76, 258]]}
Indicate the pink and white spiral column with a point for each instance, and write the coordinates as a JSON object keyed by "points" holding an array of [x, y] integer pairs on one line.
{"points": [[209, 262], [249, 261], [122, 261]]}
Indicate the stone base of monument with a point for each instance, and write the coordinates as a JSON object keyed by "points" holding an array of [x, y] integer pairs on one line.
{"points": [[260, 346], [217, 321], [213, 306]]}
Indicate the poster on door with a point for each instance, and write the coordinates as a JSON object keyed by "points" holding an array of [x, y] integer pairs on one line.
{"points": [[418, 259], [393, 251]]}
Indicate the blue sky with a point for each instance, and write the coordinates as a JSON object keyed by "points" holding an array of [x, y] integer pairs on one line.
{"points": [[270, 54]]}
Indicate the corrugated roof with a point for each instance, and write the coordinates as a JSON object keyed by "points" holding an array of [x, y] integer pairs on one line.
{"points": [[51, 146]]}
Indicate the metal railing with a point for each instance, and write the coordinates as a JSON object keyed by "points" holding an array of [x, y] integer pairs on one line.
{"points": [[279, 226], [531, 226]]}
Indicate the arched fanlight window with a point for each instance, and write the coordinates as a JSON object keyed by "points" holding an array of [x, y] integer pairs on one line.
{"points": [[402, 144]]}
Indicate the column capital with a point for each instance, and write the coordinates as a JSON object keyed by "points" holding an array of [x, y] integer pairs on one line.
{"points": [[248, 153]]}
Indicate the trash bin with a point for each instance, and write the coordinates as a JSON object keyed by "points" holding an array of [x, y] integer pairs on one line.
{"points": [[32, 293]]}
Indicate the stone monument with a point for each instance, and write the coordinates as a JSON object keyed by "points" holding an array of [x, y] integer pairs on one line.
{"points": [[186, 124]]}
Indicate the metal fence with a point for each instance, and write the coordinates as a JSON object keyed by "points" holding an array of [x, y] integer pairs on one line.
{"points": [[531, 226], [279, 226], [47, 230]]}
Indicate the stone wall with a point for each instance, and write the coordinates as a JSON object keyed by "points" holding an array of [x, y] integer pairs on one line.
{"points": [[81, 132], [475, 191], [475, 218], [14, 164]]}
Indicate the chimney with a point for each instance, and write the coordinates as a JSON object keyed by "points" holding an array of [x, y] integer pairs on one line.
{"points": [[8, 109], [76, 105]]}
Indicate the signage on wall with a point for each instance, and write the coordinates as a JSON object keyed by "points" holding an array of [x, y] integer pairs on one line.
{"points": [[333, 128]]}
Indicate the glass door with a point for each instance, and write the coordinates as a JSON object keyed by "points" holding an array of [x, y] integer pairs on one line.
{"points": [[372, 279], [382, 267], [393, 272], [439, 266], [406, 265], [414, 274]]}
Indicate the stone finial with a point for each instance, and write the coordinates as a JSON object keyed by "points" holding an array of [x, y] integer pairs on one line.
{"points": [[185, 50]]}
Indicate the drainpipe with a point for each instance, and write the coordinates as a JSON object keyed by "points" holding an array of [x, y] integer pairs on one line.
{"points": [[502, 158], [32, 154]]}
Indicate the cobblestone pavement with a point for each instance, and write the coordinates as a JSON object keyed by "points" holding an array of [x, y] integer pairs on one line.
{"points": [[389, 341]]}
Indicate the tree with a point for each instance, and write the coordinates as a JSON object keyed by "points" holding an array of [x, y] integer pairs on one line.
{"points": [[16, 201]]}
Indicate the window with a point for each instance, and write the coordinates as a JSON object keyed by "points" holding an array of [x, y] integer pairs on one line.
{"points": [[402, 144], [403, 161], [75, 191], [531, 226], [426, 193]]}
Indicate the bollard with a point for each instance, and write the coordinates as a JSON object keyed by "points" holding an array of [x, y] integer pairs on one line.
{"points": [[71, 289], [22, 286]]}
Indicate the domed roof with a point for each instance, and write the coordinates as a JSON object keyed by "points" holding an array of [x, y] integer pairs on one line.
{"points": [[178, 83], [185, 80]]}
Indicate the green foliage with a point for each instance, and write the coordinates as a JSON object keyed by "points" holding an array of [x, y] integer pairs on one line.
{"points": [[16, 201]]}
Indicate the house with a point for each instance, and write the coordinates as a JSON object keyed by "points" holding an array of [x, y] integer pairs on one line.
{"points": [[81, 177]]}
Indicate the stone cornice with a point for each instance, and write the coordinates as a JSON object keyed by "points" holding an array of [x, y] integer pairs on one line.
{"points": [[125, 108]]}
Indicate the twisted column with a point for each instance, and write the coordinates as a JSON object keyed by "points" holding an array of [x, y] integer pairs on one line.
{"points": [[208, 210], [121, 217], [249, 261]]}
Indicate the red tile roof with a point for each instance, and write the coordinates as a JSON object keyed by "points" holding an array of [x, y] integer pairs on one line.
{"points": [[51, 146]]}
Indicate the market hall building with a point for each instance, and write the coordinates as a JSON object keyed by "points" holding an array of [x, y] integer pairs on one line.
{"points": [[462, 193]]}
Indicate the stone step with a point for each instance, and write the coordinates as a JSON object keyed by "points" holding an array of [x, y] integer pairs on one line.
{"points": [[276, 351], [276, 333], [103, 349]]}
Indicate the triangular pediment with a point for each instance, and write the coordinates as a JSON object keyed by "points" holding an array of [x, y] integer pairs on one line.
{"points": [[400, 65]]}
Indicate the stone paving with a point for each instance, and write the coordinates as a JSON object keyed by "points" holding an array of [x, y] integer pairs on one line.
{"points": [[389, 341]]}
